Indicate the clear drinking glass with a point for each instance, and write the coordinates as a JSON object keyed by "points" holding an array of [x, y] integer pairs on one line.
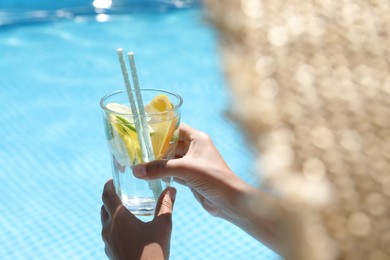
{"points": [[162, 112]]}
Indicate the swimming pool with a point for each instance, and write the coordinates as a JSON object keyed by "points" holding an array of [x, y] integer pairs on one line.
{"points": [[53, 157]]}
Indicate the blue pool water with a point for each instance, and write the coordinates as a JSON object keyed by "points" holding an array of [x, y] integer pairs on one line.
{"points": [[53, 157]]}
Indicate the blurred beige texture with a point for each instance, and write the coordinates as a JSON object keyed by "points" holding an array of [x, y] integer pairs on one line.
{"points": [[311, 85]]}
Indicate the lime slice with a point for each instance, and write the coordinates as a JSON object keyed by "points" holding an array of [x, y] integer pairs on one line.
{"points": [[126, 123], [126, 118], [128, 137], [119, 108]]}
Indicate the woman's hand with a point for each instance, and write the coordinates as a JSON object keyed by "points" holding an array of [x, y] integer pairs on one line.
{"points": [[199, 166], [127, 237]]}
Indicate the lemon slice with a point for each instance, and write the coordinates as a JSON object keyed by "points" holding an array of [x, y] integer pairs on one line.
{"points": [[164, 123], [159, 104], [124, 130]]}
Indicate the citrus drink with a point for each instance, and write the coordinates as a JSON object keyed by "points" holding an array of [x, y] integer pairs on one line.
{"points": [[162, 114]]}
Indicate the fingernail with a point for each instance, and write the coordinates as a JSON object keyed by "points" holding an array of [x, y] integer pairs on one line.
{"points": [[139, 171], [172, 193]]}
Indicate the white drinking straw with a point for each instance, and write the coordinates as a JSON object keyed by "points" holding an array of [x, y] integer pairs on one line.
{"points": [[141, 110], [133, 104], [130, 95], [141, 125], [147, 149]]}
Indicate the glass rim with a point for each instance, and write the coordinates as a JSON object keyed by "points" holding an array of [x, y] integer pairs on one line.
{"points": [[175, 108]]}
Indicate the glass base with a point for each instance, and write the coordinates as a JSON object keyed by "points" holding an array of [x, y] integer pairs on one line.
{"points": [[140, 206]]}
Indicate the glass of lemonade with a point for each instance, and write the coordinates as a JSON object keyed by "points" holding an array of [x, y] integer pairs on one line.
{"points": [[162, 112]]}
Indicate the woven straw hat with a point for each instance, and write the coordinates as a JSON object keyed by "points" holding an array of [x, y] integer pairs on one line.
{"points": [[311, 85]]}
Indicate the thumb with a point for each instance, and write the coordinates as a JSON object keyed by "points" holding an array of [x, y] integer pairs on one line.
{"points": [[158, 169], [165, 202]]}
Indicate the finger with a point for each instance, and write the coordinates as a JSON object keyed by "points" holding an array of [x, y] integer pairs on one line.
{"points": [[165, 202], [108, 252], [180, 181], [110, 199], [104, 215], [181, 149], [163, 168], [185, 132]]}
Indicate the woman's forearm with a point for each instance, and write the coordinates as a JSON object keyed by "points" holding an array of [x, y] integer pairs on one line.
{"points": [[253, 211]]}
